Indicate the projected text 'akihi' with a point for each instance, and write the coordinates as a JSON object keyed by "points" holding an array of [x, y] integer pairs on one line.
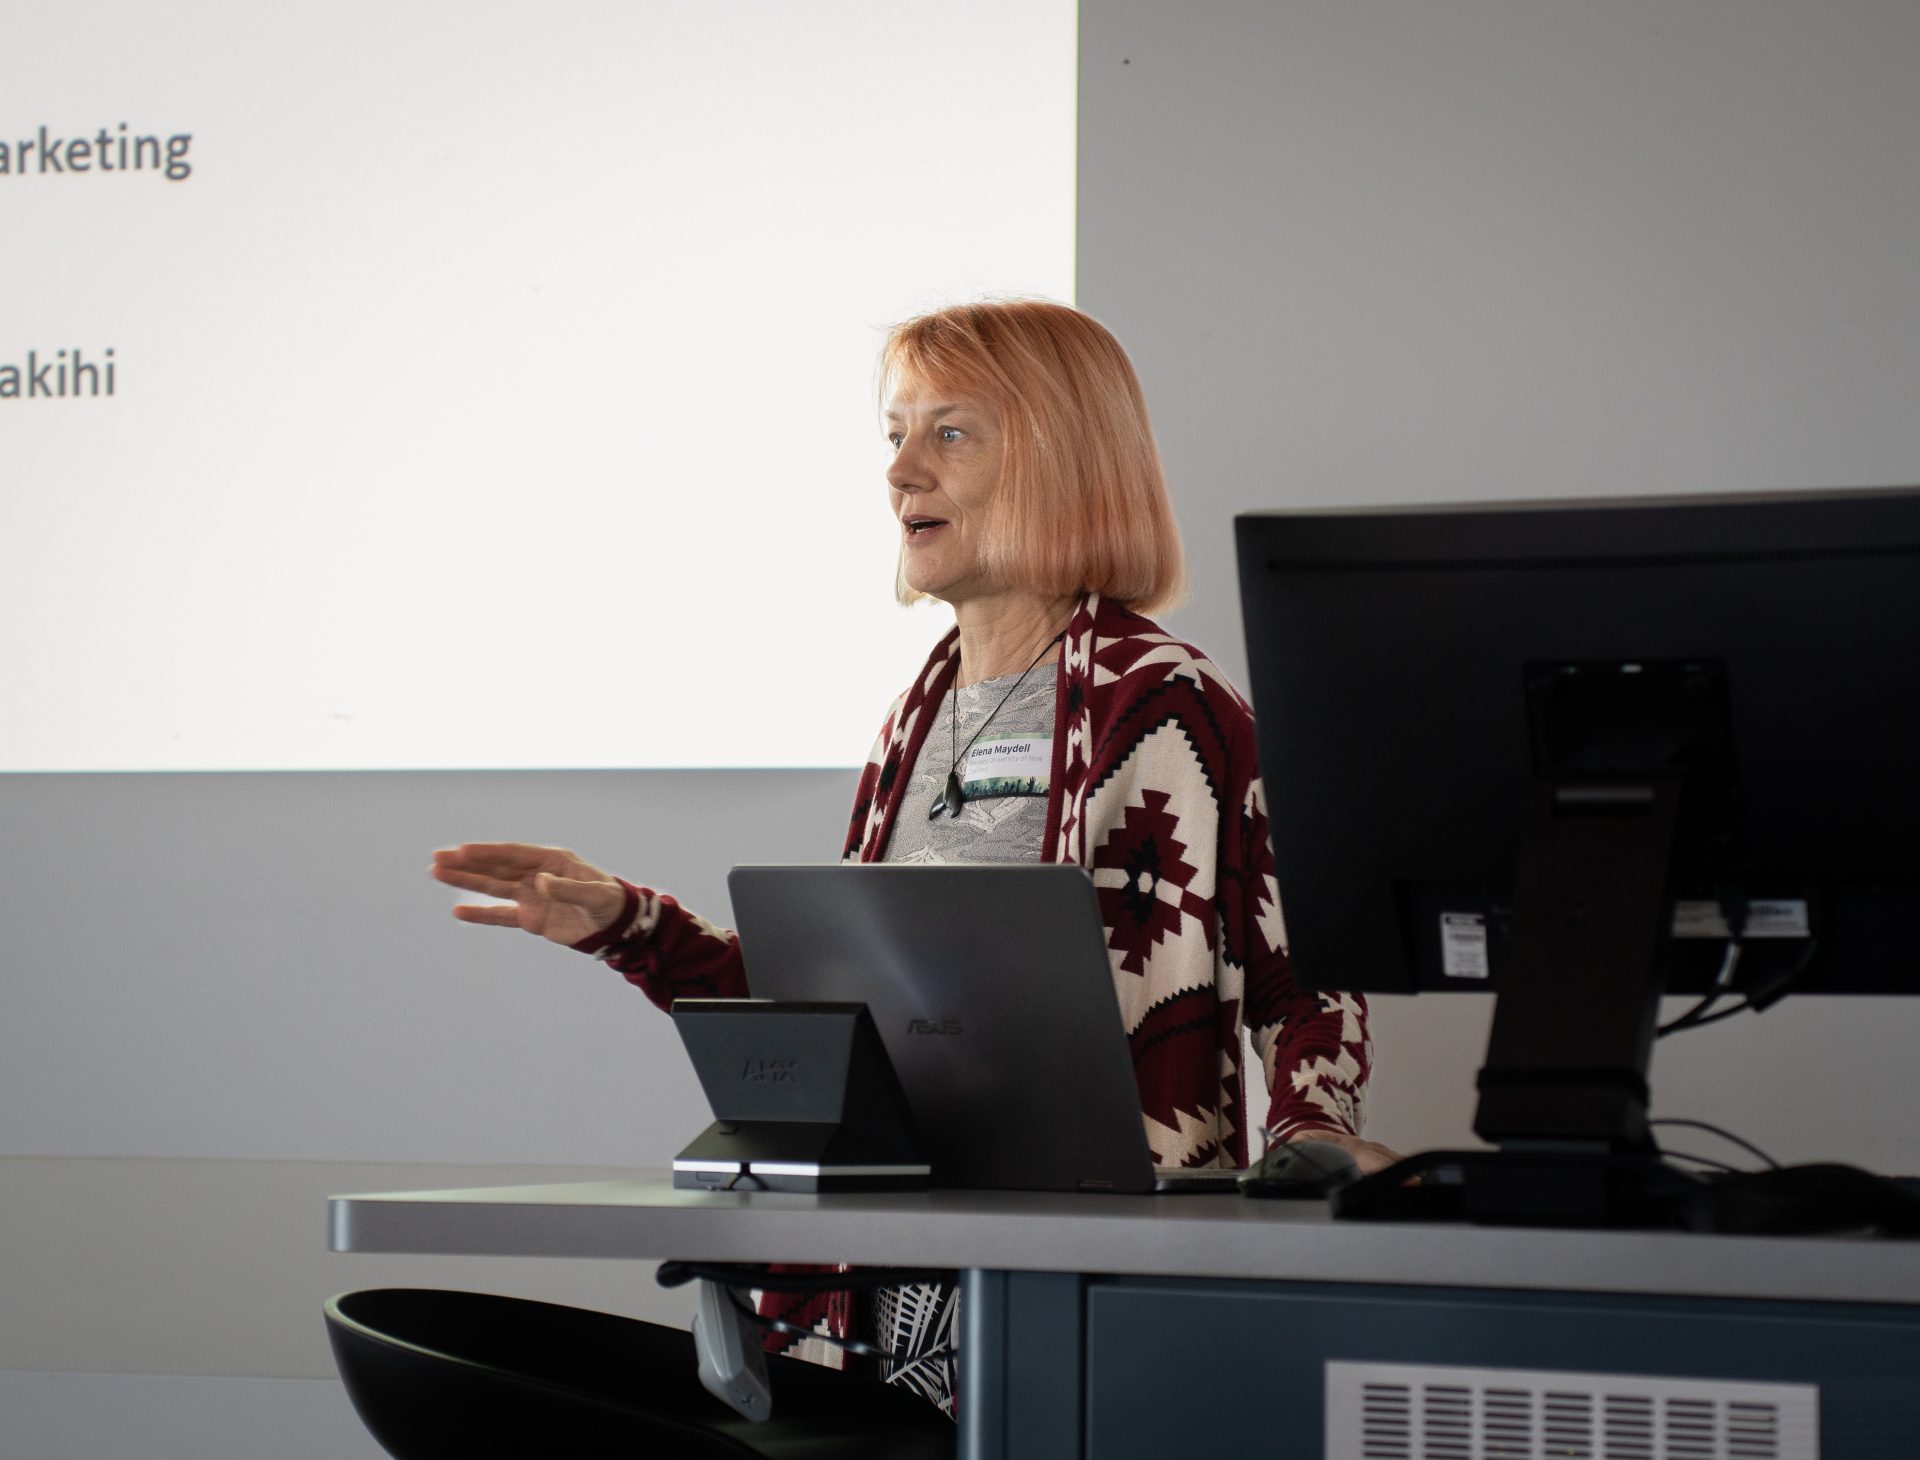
{"points": [[61, 375]]}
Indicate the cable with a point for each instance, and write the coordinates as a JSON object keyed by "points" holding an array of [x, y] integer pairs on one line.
{"points": [[1762, 997], [1725, 1135], [1729, 1169], [1701, 1022], [1722, 982]]}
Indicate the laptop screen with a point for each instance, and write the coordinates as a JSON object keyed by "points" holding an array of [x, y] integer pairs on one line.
{"points": [[993, 995]]}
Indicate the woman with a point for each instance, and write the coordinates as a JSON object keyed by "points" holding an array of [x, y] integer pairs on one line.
{"points": [[1054, 723]]}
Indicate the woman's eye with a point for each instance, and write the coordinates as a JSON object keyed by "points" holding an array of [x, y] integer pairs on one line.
{"points": [[894, 438], [950, 434]]}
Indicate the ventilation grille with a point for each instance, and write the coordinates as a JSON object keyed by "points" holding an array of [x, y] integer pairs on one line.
{"points": [[1431, 1412]]}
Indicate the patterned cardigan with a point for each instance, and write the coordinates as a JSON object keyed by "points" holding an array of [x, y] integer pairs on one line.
{"points": [[1155, 790]]}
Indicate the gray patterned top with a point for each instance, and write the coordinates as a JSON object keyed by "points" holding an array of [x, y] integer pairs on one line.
{"points": [[1004, 819], [1004, 775]]}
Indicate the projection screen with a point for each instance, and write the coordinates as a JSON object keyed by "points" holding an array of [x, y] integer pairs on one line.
{"points": [[416, 384]]}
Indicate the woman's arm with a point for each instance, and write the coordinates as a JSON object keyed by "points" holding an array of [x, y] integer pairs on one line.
{"points": [[1314, 1048], [667, 951], [660, 947]]}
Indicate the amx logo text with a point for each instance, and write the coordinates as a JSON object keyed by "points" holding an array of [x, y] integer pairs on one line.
{"points": [[933, 1026], [771, 1072]]}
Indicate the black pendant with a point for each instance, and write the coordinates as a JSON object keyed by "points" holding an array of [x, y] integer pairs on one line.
{"points": [[950, 800]]}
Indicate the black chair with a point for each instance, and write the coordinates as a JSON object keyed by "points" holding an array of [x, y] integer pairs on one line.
{"points": [[442, 1375]]}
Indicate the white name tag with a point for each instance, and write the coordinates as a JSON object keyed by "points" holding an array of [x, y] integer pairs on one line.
{"points": [[1008, 765]]}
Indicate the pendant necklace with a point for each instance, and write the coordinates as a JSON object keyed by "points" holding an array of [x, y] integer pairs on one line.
{"points": [[952, 798]]}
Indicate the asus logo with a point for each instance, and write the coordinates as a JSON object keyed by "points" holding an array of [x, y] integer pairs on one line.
{"points": [[771, 1072], [933, 1026]]}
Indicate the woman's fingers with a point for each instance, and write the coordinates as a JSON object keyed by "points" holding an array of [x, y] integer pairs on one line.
{"points": [[1371, 1156], [500, 859], [475, 882], [503, 915], [545, 890]]}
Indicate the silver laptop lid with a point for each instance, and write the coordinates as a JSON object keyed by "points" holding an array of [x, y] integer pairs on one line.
{"points": [[992, 993]]}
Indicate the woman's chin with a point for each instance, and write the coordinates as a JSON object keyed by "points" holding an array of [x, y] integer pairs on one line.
{"points": [[928, 582], [929, 578], [909, 585]]}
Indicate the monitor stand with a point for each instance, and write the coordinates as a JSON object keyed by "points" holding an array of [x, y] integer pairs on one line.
{"points": [[1563, 1094]]}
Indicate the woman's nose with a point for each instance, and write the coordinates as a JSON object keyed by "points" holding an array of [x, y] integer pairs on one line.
{"points": [[907, 471]]}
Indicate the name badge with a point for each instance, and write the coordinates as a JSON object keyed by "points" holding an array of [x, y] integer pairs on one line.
{"points": [[1008, 765]]}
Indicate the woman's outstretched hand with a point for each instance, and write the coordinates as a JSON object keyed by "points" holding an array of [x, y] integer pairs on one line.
{"points": [[548, 891]]}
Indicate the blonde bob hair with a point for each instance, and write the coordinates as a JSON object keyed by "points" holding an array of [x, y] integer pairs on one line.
{"points": [[1081, 503]]}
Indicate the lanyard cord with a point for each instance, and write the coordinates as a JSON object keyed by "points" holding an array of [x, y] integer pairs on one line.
{"points": [[952, 797]]}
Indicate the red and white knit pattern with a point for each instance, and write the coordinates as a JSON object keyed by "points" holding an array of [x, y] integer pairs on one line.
{"points": [[1155, 790]]}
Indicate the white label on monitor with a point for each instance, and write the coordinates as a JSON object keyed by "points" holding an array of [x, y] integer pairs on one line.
{"points": [[1766, 918], [1463, 945]]}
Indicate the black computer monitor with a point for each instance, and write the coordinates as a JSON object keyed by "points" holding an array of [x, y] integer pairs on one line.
{"points": [[1572, 753]]}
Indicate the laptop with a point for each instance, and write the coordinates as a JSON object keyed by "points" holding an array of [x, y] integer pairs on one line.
{"points": [[993, 997]]}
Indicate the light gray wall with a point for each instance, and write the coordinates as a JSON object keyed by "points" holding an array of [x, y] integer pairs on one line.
{"points": [[228, 996], [1361, 252], [1371, 251], [257, 966], [1374, 251]]}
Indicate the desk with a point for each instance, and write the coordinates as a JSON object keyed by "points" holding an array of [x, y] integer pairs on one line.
{"points": [[1115, 1326]]}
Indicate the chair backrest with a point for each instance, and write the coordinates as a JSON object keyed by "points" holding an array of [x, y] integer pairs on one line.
{"points": [[442, 1375]]}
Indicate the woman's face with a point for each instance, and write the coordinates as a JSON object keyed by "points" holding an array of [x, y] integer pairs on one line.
{"points": [[946, 468]]}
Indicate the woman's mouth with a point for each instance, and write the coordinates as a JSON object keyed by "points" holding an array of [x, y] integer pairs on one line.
{"points": [[920, 526]]}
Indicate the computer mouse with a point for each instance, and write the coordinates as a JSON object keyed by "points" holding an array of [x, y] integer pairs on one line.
{"points": [[1299, 1169]]}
